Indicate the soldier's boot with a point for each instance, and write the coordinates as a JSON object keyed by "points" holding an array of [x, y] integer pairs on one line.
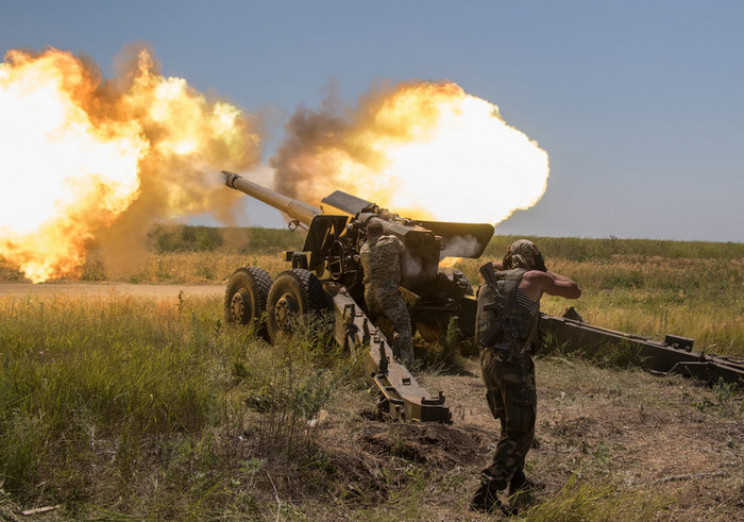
{"points": [[486, 500], [519, 483]]}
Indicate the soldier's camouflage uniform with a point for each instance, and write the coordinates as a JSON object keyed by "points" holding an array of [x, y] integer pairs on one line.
{"points": [[511, 391], [381, 261]]}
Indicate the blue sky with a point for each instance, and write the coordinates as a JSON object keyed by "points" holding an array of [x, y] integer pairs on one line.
{"points": [[640, 104]]}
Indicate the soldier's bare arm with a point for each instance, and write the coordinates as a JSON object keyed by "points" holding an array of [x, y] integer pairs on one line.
{"points": [[535, 282]]}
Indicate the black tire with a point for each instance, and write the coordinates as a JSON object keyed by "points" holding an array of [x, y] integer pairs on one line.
{"points": [[245, 298], [293, 294]]}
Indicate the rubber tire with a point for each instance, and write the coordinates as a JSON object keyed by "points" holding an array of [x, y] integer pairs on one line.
{"points": [[245, 298], [294, 293]]}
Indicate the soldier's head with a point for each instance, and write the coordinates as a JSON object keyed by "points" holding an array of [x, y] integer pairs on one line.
{"points": [[374, 228], [523, 253]]}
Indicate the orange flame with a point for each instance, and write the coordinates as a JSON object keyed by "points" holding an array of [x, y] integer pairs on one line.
{"points": [[81, 157], [424, 150]]}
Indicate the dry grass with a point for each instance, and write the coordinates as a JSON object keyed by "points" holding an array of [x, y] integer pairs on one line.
{"points": [[149, 408], [95, 418], [651, 295], [643, 293], [646, 287], [617, 445]]}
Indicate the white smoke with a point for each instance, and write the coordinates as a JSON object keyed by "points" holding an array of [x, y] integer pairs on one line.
{"points": [[459, 246], [411, 265]]}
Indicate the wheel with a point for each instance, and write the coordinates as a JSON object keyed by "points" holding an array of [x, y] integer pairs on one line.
{"points": [[293, 294], [245, 298]]}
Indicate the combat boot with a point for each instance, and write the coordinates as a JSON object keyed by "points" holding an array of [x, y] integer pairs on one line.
{"points": [[519, 483], [486, 499]]}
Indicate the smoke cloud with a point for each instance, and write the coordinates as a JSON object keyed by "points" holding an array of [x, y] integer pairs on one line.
{"points": [[176, 183], [459, 246], [424, 150]]}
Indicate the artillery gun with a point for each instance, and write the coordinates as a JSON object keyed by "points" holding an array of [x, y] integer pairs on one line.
{"points": [[327, 275]]}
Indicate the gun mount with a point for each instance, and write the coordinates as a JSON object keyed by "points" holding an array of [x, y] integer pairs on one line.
{"points": [[327, 274]]}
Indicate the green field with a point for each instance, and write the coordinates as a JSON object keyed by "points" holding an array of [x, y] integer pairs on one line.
{"points": [[131, 408], [646, 287]]}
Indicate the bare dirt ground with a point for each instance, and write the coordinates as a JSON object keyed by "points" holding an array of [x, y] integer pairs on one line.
{"points": [[644, 447], [108, 289]]}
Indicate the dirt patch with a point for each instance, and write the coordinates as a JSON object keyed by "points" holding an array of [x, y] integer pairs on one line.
{"points": [[666, 437], [438, 445]]}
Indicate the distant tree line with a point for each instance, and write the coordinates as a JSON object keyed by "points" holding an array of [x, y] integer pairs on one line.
{"points": [[187, 238]]}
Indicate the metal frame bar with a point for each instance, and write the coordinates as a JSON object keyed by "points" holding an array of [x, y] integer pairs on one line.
{"points": [[402, 396]]}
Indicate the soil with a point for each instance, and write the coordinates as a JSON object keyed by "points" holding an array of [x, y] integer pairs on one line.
{"points": [[662, 440]]}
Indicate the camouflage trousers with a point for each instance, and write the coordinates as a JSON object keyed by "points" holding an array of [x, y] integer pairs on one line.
{"points": [[387, 301], [512, 398]]}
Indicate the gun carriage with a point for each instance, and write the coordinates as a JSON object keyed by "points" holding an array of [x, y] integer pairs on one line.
{"points": [[327, 275]]}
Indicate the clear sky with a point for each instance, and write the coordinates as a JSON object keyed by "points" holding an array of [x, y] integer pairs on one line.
{"points": [[640, 104]]}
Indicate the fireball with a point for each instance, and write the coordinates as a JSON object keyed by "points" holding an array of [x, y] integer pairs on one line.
{"points": [[87, 160], [77, 152], [424, 150]]}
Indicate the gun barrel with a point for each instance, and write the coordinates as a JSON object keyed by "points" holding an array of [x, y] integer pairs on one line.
{"points": [[294, 208]]}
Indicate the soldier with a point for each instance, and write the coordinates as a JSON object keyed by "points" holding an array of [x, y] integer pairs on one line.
{"points": [[381, 257], [506, 365]]}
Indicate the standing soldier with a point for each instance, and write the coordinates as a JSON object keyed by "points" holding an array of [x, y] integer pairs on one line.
{"points": [[381, 257], [506, 327]]}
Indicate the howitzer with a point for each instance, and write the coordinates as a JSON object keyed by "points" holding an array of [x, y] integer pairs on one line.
{"points": [[327, 274]]}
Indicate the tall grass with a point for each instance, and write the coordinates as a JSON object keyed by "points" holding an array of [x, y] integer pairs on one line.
{"points": [[580, 500], [132, 408], [184, 238], [583, 249], [149, 406], [646, 287]]}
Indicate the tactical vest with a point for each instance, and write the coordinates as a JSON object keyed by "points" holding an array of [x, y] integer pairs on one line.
{"points": [[522, 319]]}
